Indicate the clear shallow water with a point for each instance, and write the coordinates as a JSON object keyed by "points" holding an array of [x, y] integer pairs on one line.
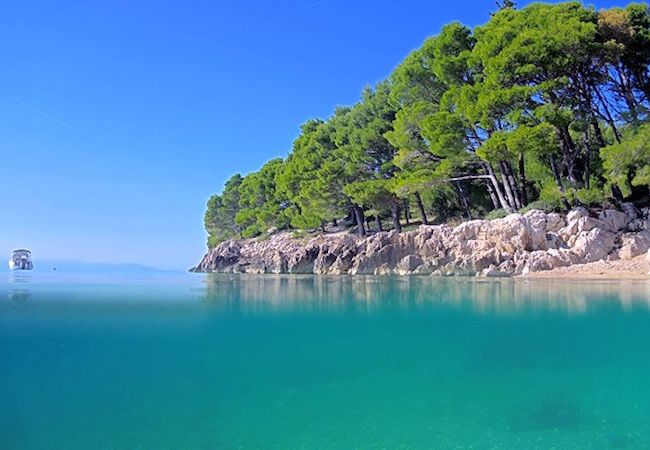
{"points": [[263, 362]]}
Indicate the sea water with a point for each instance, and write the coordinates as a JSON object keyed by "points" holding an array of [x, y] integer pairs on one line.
{"points": [[304, 362]]}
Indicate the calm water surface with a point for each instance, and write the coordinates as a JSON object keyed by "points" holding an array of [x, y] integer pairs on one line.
{"points": [[275, 362]]}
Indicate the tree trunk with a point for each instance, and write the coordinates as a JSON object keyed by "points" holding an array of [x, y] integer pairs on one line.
{"points": [[352, 215], [495, 183], [335, 223], [608, 115], [569, 152], [558, 181], [513, 184], [507, 187], [599, 133], [407, 212], [586, 142], [522, 179], [395, 209], [628, 95], [644, 82], [423, 213], [463, 199], [358, 214], [493, 195], [617, 194], [378, 222]]}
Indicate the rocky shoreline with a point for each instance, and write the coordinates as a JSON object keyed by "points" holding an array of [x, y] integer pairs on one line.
{"points": [[514, 245]]}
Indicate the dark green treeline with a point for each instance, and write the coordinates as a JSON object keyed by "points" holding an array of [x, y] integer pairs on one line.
{"points": [[545, 106]]}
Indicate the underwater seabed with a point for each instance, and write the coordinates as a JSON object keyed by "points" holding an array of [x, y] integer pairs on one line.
{"points": [[281, 362]]}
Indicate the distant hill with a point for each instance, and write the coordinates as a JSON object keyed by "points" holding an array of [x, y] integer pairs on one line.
{"points": [[90, 267]]}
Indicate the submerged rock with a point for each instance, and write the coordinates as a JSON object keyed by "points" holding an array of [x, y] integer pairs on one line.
{"points": [[513, 245]]}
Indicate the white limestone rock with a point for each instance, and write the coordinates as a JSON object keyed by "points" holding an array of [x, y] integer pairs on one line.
{"points": [[614, 220], [576, 213], [512, 245], [634, 244], [594, 245]]}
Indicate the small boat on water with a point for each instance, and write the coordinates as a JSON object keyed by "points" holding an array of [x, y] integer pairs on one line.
{"points": [[21, 259]]}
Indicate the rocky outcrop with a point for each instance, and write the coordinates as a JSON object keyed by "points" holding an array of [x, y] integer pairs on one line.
{"points": [[514, 245], [634, 244]]}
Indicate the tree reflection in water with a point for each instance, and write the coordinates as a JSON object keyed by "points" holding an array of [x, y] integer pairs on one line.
{"points": [[295, 293]]}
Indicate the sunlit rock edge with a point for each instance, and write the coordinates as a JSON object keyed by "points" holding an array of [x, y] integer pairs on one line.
{"points": [[514, 245]]}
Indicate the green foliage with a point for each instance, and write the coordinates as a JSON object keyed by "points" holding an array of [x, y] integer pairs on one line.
{"points": [[262, 204], [627, 164], [591, 196], [543, 106], [550, 193], [541, 205], [496, 214], [452, 50], [444, 202], [375, 195], [312, 176], [222, 210]]}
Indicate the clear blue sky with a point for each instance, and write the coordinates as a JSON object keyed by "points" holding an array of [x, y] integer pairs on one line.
{"points": [[118, 119]]}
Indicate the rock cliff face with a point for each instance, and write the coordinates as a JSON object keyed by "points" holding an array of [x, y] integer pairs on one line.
{"points": [[515, 245]]}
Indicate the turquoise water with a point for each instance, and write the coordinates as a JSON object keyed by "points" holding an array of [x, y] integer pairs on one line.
{"points": [[263, 362]]}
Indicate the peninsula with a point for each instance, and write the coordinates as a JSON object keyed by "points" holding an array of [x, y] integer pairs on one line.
{"points": [[513, 147], [514, 245]]}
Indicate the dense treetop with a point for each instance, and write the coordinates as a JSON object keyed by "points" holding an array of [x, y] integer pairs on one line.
{"points": [[545, 106]]}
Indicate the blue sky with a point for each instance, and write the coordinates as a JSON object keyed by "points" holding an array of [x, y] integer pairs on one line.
{"points": [[118, 119]]}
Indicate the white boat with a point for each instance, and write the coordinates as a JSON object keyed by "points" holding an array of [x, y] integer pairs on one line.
{"points": [[21, 259]]}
